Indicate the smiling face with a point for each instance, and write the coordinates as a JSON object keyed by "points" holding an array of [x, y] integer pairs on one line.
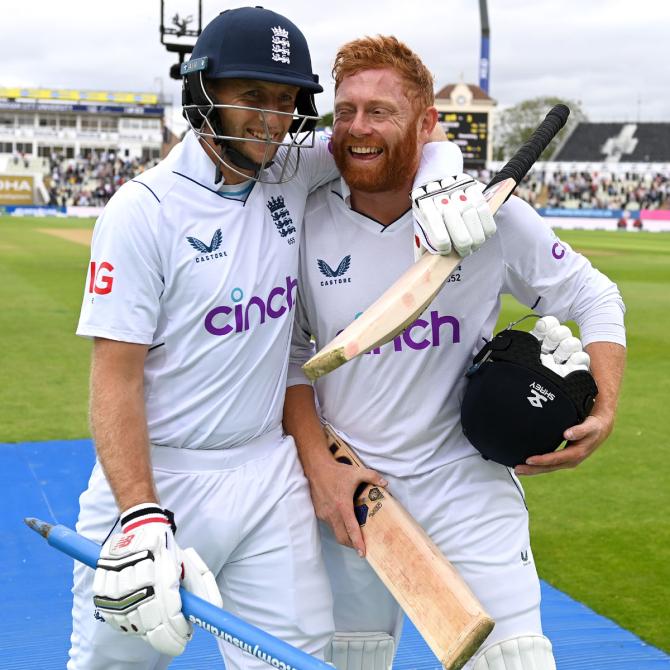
{"points": [[377, 132], [278, 102]]}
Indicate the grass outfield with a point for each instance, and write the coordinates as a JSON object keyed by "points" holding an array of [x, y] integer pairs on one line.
{"points": [[600, 532]]}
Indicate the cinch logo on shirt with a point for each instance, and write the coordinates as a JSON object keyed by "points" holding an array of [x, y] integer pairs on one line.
{"points": [[342, 269], [280, 300], [434, 338], [208, 250]]}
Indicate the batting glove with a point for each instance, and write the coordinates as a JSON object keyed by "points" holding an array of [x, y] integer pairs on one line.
{"points": [[560, 351], [136, 583], [451, 213]]}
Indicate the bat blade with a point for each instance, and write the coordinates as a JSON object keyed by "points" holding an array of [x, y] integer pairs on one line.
{"points": [[428, 588], [411, 293]]}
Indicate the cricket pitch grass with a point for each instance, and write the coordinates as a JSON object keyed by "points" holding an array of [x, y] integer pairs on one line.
{"points": [[600, 532]]}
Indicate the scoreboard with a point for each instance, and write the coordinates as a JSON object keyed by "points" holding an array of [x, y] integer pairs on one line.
{"points": [[470, 130]]}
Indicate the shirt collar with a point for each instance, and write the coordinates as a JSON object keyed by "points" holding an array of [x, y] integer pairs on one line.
{"points": [[195, 163], [345, 192]]}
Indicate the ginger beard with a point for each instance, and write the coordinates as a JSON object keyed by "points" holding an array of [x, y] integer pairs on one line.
{"points": [[387, 171]]}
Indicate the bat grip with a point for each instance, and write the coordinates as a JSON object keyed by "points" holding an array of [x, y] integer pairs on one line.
{"points": [[517, 167], [214, 620]]}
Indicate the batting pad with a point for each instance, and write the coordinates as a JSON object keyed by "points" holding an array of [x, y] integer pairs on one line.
{"points": [[45, 479]]}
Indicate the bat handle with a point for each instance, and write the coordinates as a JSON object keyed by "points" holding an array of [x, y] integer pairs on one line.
{"points": [[518, 166], [214, 620]]}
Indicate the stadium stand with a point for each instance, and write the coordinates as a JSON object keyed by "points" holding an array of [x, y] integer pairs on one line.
{"points": [[89, 181], [617, 142], [598, 188]]}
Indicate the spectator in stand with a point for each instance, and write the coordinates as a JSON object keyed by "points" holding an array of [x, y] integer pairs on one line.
{"points": [[91, 180]]}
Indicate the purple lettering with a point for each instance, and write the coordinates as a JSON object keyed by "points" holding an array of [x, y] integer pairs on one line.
{"points": [[291, 284], [272, 312], [239, 320], [254, 300], [407, 335], [273, 307], [209, 321], [436, 321], [558, 251]]}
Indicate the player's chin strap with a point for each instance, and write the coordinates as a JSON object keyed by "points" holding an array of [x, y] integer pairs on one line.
{"points": [[360, 651], [527, 652]]}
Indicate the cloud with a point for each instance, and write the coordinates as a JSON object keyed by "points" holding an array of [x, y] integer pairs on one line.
{"points": [[607, 54]]}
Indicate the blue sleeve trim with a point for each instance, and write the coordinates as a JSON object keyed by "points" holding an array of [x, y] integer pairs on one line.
{"points": [[147, 187]]}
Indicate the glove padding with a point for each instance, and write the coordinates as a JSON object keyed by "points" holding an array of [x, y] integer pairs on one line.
{"points": [[136, 583], [560, 351], [451, 212]]}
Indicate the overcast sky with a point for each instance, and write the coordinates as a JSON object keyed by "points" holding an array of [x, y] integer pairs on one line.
{"points": [[611, 55]]}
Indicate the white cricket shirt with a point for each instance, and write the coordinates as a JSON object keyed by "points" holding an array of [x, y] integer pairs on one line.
{"points": [[210, 284], [399, 406]]}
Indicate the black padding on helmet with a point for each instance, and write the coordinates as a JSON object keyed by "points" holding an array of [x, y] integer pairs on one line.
{"points": [[515, 407]]}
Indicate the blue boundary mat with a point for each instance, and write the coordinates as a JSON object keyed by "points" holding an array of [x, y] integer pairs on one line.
{"points": [[44, 480]]}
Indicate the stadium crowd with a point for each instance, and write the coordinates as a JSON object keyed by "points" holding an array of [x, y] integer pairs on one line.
{"points": [[89, 181], [92, 180], [596, 190]]}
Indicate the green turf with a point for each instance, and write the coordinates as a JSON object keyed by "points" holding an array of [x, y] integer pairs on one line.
{"points": [[43, 394], [600, 532]]}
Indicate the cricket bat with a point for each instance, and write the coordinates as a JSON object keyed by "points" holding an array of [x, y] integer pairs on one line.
{"points": [[409, 296], [428, 588]]}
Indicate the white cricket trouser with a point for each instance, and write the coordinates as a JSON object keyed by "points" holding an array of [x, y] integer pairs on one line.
{"points": [[248, 513], [475, 512]]}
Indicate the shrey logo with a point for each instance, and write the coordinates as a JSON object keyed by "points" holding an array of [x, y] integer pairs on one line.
{"points": [[98, 280], [281, 217], [207, 251], [281, 47], [337, 274], [279, 301], [539, 395]]}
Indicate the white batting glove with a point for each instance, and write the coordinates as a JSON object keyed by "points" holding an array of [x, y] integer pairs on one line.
{"points": [[451, 212], [560, 351], [136, 583]]}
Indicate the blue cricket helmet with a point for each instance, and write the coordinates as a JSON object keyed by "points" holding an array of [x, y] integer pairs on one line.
{"points": [[253, 43], [256, 43]]}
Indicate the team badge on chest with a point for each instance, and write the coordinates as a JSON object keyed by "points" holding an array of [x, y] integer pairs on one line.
{"points": [[281, 217]]}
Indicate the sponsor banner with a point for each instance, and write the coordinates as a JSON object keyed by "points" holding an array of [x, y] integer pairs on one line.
{"points": [[655, 214], [137, 110], [76, 95], [84, 212], [34, 210], [581, 213], [567, 223], [16, 190]]}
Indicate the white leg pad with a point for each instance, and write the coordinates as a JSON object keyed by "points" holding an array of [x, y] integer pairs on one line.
{"points": [[527, 652], [360, 651]]}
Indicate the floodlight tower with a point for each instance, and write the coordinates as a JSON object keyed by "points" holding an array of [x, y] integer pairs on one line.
{"points": [[484, 63], [179, 30]]}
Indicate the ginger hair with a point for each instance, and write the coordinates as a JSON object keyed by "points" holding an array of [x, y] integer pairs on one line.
{"points": [[386, 51]]}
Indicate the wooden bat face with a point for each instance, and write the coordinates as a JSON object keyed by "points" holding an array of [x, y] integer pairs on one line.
{"points": [[399, 306], [428, 588], [409, 296]]}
